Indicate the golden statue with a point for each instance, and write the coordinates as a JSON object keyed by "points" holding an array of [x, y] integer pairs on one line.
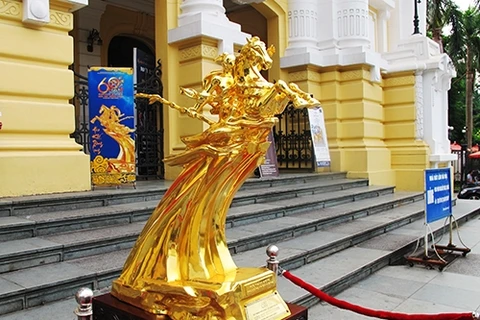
{"points": [[180, 265]]}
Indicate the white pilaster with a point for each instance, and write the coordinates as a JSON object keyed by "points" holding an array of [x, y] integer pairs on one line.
{"points": [[433, 74], [383, 17], [207, 18], [302, 25]]}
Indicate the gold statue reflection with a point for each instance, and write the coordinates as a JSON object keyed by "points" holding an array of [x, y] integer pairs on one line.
{"points": [[181, 265]]}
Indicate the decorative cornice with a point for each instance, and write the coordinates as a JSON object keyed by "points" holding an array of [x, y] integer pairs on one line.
{"points": [[61, 20], [354, 75], [198, 52], [399, 81], [304, 75], [11, 10]]}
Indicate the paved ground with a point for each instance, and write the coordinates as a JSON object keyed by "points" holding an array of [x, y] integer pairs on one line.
{"points": [[398, 288]]}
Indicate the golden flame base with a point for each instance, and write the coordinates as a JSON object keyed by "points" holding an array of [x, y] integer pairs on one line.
{"points": [[226, 299]]}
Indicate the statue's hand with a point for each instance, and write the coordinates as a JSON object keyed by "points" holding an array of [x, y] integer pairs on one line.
{"points": [[156, 98]]}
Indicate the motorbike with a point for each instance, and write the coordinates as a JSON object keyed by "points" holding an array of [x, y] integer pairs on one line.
{"points": [[470, 191]]}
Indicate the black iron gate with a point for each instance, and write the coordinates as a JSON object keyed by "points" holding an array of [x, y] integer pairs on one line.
{"points": [[293, 140], [148, 132]]}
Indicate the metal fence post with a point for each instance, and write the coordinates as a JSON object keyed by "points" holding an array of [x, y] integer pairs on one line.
{"points": [[272, 261], [84, 298]]}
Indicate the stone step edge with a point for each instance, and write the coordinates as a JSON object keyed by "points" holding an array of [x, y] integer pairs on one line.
{"points": [[307, 228], [61, 199], [62, 252], [235, 220], [338, 285], [39, 228], [304, 189], [108, 275]]}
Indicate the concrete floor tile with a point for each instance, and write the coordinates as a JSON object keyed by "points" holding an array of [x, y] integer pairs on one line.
{"points": [[288, 291], [455, 280], [7, 286], [468, 265], [406, 273], [61, 310], [387, 242], [45, 275], [26, 245], [324, 311], [370, 299], [448, 296], [390, 286], [421, 306]]}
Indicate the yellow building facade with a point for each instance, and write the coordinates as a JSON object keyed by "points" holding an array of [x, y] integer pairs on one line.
{"points": [[377, 85]]}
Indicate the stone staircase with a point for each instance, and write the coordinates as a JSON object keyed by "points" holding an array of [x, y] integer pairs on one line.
{"points": [[331, 231]]}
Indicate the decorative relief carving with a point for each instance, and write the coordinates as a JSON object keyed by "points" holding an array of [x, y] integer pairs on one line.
{"points": [[419, 106], [197, 52], [10, 9], [399, 81], [354, 75], [61, 19], [304, 75], [209, 51]]}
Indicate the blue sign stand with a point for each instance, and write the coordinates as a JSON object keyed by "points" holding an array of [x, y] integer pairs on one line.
{"points": [[438, 197], [438, 194], [438, 205]]}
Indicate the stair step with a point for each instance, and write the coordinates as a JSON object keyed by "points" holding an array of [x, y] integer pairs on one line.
{"points": [[40, 224], [145, 191], [310, 247], [94, 272], [18, 254]]}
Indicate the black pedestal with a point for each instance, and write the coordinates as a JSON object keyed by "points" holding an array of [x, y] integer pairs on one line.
{"points": [[107, 307]]}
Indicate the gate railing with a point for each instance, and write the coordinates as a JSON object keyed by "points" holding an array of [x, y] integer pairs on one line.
{"points": [[80, 101], [293, 140]]}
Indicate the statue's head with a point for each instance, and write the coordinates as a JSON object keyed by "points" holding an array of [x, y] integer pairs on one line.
{"points": [[256, 50]]}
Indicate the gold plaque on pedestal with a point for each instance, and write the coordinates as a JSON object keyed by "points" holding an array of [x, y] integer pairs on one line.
{"points": [[269, 307], [180, 265]]}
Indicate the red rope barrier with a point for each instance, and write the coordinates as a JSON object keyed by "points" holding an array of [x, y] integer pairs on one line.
{"points": [[371, 312]]}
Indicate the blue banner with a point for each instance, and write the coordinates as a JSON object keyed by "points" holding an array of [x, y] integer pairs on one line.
{"points": [[112, 126], [438, 194]]}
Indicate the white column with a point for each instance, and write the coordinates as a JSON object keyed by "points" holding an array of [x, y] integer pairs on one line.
{"points": [[207, 18], [303, 25], [213, 9], [353, 23]]}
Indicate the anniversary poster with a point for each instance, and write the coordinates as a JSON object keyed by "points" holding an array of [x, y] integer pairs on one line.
{"points": [[111, 110], [319, 137]]}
